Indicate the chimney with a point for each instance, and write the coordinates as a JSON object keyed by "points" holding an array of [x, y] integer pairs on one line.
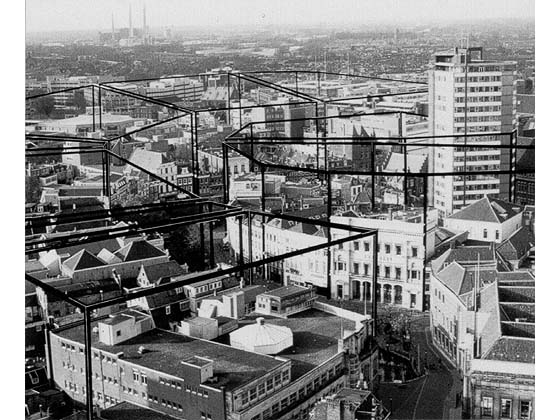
{"points": [[260, 320], [390, 214], [117, 278]]}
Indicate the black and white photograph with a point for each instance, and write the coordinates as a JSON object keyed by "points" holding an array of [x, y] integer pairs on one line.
{"points": [[279, 210]]}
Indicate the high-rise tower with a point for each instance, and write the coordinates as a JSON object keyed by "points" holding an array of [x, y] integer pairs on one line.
{"points": [[468, 94]]}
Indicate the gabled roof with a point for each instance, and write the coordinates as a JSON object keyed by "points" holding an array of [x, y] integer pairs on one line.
{"points": [[364, 197], [108, 257], [110, 245], [138, 250], [486, 210], [165, 298], [147, 159], [453, 276], [465, 255], [83, 260], [166, 269], [414, 162], [517, 245]]}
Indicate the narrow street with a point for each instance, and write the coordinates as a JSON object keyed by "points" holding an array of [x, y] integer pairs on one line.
{"points": [[429, 397]]}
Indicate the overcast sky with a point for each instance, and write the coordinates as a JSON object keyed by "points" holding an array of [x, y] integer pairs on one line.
{"points": [[60, 15]]}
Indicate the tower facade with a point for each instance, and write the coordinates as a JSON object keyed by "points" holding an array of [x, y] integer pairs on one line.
{"points": [[468, 94]]}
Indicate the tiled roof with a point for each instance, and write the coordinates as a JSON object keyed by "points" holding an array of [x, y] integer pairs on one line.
{"points": [[166, 269], [138, 250], [465, 255], [110, 245], [168, 297], [512, 350], [517, 245], [486, 210], [83, 260]]}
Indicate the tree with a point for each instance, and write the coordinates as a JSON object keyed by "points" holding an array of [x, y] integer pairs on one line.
{"points": [[45, 105], [32, 189], [79, 100]]}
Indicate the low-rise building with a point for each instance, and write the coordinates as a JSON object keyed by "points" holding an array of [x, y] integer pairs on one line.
{"points": [[500, 380], [285, 301], [487, 220], [186, 377]]}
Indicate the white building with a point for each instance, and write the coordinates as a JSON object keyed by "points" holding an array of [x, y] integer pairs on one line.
{"points": [[488, 92], [400, 259], [487, 220]]}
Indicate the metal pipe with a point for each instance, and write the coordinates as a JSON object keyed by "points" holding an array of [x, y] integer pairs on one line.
{"points": [[88, 364], [250, 243]]}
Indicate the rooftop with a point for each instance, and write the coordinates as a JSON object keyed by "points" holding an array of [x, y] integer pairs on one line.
{"points": [[165, 351], [287, 291], [487, 210], [315, 337], [129, 411]]}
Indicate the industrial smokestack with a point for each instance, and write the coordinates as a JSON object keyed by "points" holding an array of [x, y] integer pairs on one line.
{"points": [[130, 31]]}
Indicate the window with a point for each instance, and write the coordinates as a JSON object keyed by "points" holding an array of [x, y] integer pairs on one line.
{"points": [[135, 376], [356, 246], [485, 233], [486, 406], [168, 310], [366, 269], [144, 379], [397, 273], [505, 408], [366, 246], [356, 268], [387, 249], [414, 251], [387, 272], [497, 235], [524, 409], [398, 249]]}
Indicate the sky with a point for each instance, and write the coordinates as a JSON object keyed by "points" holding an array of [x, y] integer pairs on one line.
{"points": [[62, 15]]}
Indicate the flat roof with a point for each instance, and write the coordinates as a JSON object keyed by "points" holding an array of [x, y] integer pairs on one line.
{"points": [[165, 351], [129, 411], [315, 337], [286, 291]]}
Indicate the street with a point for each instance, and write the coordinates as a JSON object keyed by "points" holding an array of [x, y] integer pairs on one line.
{"points": [[428, 397]]}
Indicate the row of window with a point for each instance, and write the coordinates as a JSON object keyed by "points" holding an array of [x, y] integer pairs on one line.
{"points": [[478, 128], [263, 388], [273, 411], [474, 89], [491, 108], [485, 98], [478, 79], [479, 118], [164, 402], [505, 408]]}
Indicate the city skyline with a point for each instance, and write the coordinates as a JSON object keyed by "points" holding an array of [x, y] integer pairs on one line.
{"points": [[64, 15]]}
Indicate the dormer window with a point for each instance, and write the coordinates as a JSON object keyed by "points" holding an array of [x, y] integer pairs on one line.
{"points": [[485, 233]]}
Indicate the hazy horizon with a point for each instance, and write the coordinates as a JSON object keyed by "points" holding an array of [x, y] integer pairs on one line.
{"points": [[43, 16]]}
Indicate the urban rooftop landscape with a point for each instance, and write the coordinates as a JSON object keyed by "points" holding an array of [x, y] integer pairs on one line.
{"points": [[285, 221]]}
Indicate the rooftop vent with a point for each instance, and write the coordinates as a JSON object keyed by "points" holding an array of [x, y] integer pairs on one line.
{"points": [[260, 320], [142, 350], [520, 319]]}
